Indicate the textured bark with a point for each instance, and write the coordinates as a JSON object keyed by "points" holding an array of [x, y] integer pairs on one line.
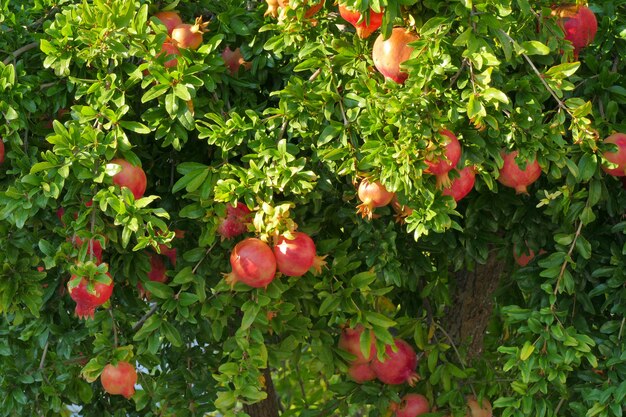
{"points": [[472, 304], [267, 407]]}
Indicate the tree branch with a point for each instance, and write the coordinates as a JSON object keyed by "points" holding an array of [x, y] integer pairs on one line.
{"points": [[145, 317], [20, 51]]}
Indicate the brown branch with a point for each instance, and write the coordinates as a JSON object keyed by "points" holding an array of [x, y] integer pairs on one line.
{"points": [[115, 340], [43, 355], [145, 317], [569, 254], [20, 51]]}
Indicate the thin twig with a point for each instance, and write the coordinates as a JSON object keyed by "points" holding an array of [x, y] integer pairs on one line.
{"points": [[315, 74], [569, 254], [558, 407], [301, 383], [20, 51], [458, 73], [195, 268], [456, 351], [115, 341], [621, 329], [43, 355], [283, 128], [145, 317]]}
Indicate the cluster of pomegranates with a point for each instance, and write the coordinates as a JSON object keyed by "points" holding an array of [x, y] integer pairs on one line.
{"points": [[180, 35]]}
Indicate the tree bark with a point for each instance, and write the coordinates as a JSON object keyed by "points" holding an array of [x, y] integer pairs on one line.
{"points": [[269, 406], [472, 305]]}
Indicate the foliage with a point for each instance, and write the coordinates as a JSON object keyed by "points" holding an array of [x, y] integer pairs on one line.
{"points": [[291, 138]]}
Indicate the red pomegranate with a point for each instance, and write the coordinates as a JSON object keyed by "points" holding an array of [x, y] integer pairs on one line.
{"points": [[398, 367], [189, 36], [170, 19], [372, 195], [234, 60], [1, 151], [441, 166], [619, 157], [131, 177], [477, 410], [88, 299], [579, 24], [350, 341], [411, 405], [462, 185], [92, 244], [119, 379], [294, 257], [389, 54], [236, 221], [361, 372], [523, 258], [170, 49], [253, 263], [156, 273], [512, 176], [355, 18], [171, 253]]}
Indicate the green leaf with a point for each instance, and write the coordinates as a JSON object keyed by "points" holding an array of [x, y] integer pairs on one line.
{"points": [[158, 289], [172, 334], [535, 48], [527, 350], [135, 127]]}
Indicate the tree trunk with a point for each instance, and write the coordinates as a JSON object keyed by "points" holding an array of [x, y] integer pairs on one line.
{"points": [[472, 304], [269, 406]]}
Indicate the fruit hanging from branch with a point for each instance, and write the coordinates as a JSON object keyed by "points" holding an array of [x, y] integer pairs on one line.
{"points": [[372, 195], [234, 60], [618, 157], [364, 27], [411, 405], [236, 221], [579, 24], [119, 379], [388, 54], [445, 163], [170, 50], [511, 175], [294, 257], [474, 409], [350, 341], [131, 177], [253, 264], [170, 19], [462, 185], [397, 367], [88, 296], [189, 36]]}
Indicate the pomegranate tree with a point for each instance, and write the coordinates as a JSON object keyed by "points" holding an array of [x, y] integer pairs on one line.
{"points": [[236, 221], [119, 379], [579, 24], [389, 53], [189, 36], [294, 257], [462, 185], [618, 157], [397, 367], [131, 177], [364, 27], [411, 405], [511, 175], [253, 263], [170, 19], [446, 163], [372, 195], [89, 295]]}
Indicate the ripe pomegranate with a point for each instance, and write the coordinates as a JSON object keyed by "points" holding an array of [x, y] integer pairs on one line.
{"points": [[274, 5], [92, 243], [87, 301], [119, 379], [170, 19], [397, 367], [354, 17], [462, 185], [294, 257], [411, 405], [234, 60], [476, 410], [236, 221], [350, 341], [131, 177], [372, 194], [512, 176], [389, 54], [1, 151], [171, 253], [523, 258], [440, 167], [253, 263], [170, 49], [361, 372], [618, 157], [156, 273], [189, 36], [579, 24]]}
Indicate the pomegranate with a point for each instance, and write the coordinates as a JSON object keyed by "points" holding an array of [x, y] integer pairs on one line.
{"points": [[462, 185], [236, 221], [156, 273], [170, 49], [171, 253], [94, 247], [619, 157], [512, 176], [440, 167], [350, 341], [1, 151], [273, 7], [87, 300], [119, 379], [397, 367], [389, 54], [170, 19], [373, 195], [131, 177], [189, 36], [411, 405], [356, 19], [361, 372], [234, 60], [476, 410], [579, 25], [294, 257], [523, 258], [253, 263]]}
